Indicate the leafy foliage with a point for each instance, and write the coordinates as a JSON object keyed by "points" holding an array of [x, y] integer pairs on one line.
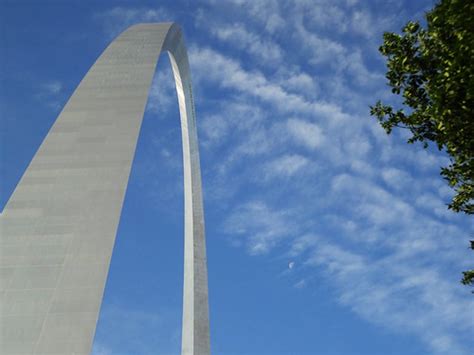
{"points": [[468, 276], [432, 69]]}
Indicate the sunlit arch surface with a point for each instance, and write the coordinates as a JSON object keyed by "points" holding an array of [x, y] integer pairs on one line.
{"points": [[58, 229]]}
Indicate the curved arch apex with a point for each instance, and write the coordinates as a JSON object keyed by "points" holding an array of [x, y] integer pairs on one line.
{"points": [[67, 204]]}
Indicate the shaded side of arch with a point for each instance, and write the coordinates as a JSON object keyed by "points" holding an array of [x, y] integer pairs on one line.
{"points": [[58, 229]]}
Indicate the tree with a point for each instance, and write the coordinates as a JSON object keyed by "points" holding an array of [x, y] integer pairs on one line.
{"points": [[432, 69]]}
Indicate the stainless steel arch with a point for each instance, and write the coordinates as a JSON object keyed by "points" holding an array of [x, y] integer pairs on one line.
{"points": [[58, 229]]}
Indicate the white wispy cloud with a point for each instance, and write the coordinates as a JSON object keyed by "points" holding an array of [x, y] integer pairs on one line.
{"points": [[232, 116], [391, 223], [52, 88], [286, 165], [305, 133], [240, 37], [433, 204], [262, 226], [369, 210], [365, 287], [263, 12], [51, 94], [302, 244], [322, 50], [300, 284], [301, 83], [396, 178]]}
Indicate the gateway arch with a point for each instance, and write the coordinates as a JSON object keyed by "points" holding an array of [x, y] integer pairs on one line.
{"points": [[58, 229]]}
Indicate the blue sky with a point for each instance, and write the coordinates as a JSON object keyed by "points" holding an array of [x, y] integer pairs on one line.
{"points": [[325, 236]]}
